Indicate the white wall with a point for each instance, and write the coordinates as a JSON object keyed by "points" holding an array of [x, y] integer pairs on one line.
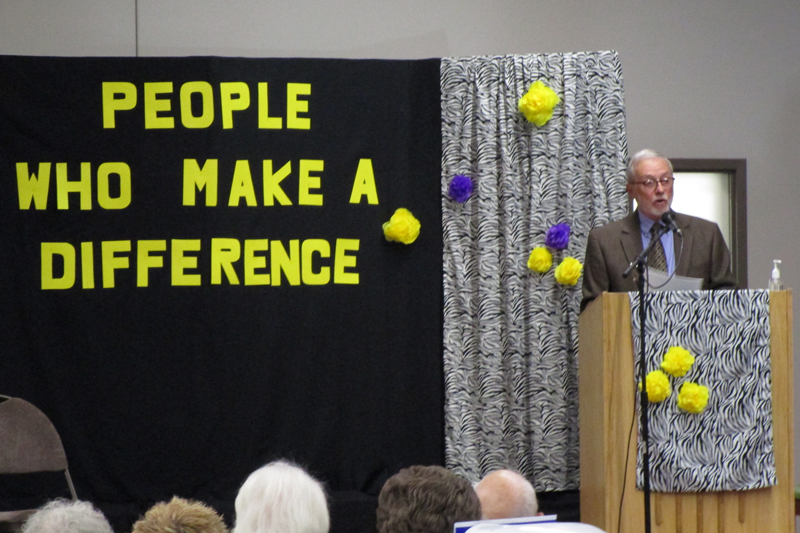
{"points": [[716, 79]]}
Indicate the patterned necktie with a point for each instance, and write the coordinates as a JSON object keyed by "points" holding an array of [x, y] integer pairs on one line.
{"points": [[657, 259]]}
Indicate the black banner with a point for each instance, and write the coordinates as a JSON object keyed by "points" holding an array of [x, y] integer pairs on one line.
{"points": [[195, 279]]}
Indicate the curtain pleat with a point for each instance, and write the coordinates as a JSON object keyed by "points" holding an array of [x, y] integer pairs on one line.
{"points": [[511, 334]]}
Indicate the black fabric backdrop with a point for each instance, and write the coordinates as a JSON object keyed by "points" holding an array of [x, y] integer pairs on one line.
{"points": [[166, 389]]}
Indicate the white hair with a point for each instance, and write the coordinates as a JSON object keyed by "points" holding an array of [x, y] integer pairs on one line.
{"points": [[281, 498], [67, 516], [640, 156]]}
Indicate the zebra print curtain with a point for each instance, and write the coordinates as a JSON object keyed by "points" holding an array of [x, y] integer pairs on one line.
{"points": [[729, 445], [510, 334]]}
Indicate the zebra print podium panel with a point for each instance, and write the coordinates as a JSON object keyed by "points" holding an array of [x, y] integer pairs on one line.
{"points": [[729, 445]]}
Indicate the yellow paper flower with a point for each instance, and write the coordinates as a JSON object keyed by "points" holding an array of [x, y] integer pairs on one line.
{"points": [[402, 227], [692, 397], [658, 388], [677, 361], [538, 103], [568, 272], [540, 260]]}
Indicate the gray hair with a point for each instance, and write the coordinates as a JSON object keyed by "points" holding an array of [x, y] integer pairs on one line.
{"points": [[640, 156], [67, 516], [281, 498]]}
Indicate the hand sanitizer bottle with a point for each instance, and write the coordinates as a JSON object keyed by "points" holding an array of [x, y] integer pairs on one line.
{"points": [[775, 281]]}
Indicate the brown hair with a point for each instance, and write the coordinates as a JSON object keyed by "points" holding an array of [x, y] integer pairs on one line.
{"points": [[180, 516], [426, 499]]}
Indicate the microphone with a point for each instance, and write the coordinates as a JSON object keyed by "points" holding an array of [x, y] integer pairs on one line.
{"points": [[669, 221]]}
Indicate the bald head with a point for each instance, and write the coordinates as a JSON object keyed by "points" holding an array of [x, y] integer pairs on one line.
{"points": [[506, 494]]}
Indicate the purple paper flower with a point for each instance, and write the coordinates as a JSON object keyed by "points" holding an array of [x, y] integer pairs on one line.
{"points": [[460, 188], [557, 237]]}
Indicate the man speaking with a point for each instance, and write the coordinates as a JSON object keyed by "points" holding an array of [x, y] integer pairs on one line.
{"points": [[694, 248]]}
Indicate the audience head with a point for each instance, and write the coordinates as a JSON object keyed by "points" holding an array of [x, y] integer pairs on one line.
{"points": [[426, 499], [506, 494], [281, 498], [67, 516], [180, 516]]}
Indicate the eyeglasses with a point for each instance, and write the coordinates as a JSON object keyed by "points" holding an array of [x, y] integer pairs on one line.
{"points": [[666, 183]]}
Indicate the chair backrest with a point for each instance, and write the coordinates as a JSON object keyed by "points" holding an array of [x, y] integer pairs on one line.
{"points": [[29, 442]]}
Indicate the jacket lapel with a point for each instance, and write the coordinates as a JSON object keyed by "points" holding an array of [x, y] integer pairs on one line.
{"points": [[630, 236], [684, 223]]}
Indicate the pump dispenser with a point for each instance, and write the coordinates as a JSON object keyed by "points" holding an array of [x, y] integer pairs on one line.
{"points": [[775, 281]]}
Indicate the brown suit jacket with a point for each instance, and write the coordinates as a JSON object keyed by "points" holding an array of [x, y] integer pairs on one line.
{"points": [[611, 248]]}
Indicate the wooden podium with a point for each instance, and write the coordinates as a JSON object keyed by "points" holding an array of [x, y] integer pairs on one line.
{"points": [[606, 411]]}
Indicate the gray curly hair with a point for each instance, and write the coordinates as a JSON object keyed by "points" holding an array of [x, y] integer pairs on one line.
{"points": [[67, 516]]}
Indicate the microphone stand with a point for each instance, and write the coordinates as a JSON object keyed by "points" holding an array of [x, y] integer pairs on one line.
{"points": [[640, 264]]}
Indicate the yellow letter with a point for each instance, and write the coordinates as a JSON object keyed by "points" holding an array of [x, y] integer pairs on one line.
{"points": [[103, 192], [272, 183], [87, 265], [229, 103], [111, 262], [309, 276], [67, 252], [253, 261], [295, 106], [224, 252], [364, 184], [181, 262], [145, 261], [153, 104], [112, 105], [203, 88], [309, 182], [194, 176], [30, 188], [242, 186], [290, 264], [266, 122], [343, 261], [64, 186]]}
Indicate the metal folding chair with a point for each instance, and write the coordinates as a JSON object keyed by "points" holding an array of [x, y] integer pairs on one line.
{"points": [[29, 443]]}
